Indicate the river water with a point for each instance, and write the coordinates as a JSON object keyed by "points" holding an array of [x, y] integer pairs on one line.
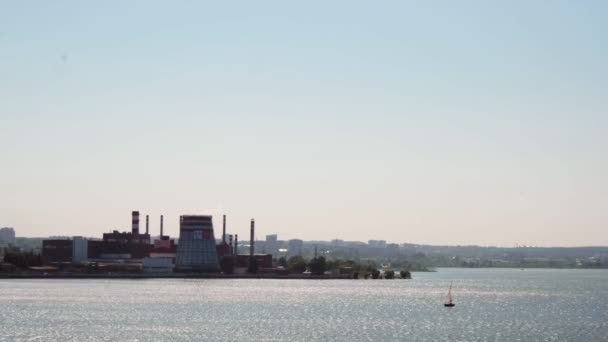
{"points": [[491, 305]]}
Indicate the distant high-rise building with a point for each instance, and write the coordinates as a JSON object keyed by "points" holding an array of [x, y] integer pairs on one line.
{"points": [[337, 242], [272, 243], [377, 243], [7, 236], [294, 247], [196, 250], [392, 248]]}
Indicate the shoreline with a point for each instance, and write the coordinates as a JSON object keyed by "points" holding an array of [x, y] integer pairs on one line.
{"points": [[169, 276]]}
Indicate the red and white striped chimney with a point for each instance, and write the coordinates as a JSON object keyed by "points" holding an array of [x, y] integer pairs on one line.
{"points": [[135, 222]]}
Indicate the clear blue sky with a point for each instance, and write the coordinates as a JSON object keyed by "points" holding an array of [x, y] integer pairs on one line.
{"points": [[452, 122]]}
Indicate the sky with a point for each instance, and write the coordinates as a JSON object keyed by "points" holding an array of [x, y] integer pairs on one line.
{"points": [[430, 122]]}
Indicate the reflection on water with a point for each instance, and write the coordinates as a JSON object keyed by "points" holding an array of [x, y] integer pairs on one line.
{"points": [[492, 305]]}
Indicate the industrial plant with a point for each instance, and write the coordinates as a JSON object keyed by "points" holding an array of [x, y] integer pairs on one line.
{"points": [[195, 251]]}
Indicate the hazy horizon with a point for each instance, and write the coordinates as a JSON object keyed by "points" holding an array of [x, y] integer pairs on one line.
{"points": [[466, 123]]}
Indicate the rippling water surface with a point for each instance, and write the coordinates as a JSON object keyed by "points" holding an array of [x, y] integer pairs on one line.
{"points": [[492, 305]]}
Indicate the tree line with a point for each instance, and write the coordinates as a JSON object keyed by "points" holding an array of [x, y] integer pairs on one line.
{"points": [[21, 259], [319, 265]]}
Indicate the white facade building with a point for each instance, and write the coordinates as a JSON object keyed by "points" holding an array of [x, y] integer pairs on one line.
{"points": [[157, 265], [80, 249]]}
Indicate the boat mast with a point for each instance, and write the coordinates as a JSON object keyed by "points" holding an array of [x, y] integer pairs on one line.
{"points": [[450, 294]]}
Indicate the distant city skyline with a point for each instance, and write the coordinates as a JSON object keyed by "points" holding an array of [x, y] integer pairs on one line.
{"points": [[455, 123], [263, 235]]}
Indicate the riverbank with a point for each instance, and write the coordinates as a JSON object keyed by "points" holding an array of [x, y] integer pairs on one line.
{"points": [[59, 275]]}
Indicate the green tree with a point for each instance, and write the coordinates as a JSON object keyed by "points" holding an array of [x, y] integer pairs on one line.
{"points": [[333, 264], [370, 267], [22, 259], [389, 274], [282, 262], [375, 274], [405, 274], [227, 264], [318, 265], [296, 264]]}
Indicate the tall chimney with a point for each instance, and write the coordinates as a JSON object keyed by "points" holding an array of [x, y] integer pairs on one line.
{"points": [[147, 225], [161, 227], [224, 231], [236, 244], [252, 239], [135, 222], [230, 244]]}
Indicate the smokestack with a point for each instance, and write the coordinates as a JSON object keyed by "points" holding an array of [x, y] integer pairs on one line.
{"points": [[224, 231], [147, 225], [135, 222], [236, 244], [161, 227], [252, 239], [230, 244]]}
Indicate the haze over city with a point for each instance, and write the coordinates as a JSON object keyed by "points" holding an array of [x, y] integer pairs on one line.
{"points": [[465, 123]]}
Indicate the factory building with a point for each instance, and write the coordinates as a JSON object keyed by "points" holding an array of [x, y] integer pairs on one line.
{"points": [[72, 250], [157, 265], [196, 249], [162, 255], [264, 261], [57, 250], [164, 246], [122, 245], [224, 248]]}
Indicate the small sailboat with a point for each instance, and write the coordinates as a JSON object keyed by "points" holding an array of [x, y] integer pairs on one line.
{"points": [[450, 302]]}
